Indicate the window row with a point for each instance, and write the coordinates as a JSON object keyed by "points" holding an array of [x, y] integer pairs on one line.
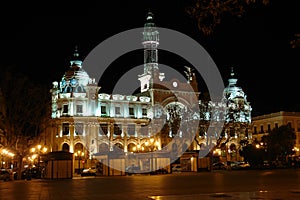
{"points": [[79, 110], [103, 129]]}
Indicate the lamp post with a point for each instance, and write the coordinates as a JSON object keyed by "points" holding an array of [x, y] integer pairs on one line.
{"points": [[79, 155], [40, 151]]}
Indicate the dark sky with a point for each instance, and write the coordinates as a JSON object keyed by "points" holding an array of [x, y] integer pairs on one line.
{"points": [[40, 39]]}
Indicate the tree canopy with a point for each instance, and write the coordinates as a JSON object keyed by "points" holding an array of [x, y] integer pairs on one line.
{"points": [[24, 111], [208, 13], [280, 142]]}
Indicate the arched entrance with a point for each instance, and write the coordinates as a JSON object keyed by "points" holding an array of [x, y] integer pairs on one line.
{"points": [[80, 156]]}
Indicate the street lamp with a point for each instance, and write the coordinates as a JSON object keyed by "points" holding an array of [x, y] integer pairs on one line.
{"points": [[39, 150], [79, 155]]}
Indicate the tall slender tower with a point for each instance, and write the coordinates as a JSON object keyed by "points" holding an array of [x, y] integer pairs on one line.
{"points": [[150, 44]]}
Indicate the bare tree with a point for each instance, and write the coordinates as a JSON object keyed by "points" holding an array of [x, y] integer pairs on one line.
{"points": [[24, 112], [208, 13]]}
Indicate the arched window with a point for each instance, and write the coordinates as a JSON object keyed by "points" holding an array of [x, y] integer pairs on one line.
{"points": [[118, 147], [68, 89], [65, 147], [80, 89]]}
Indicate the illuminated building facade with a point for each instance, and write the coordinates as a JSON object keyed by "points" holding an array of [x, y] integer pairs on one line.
{"points": [[90, 123], [262, 125]]}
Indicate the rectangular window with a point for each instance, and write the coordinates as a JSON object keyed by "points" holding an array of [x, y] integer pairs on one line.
{"points": [[269, 128], [117, 129], [255, 130], [79, 128], [117, 110], [103, 110], [131, 111], [131, 129], [289, 124], [65, 129], [261, 129], [65, 109], [144, 130], [103, 129], [79, 109], [276, 125], [144, 111]]}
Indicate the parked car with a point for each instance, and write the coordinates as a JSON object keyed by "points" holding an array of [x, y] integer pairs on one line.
{"points": [[240, 165], [160, 171], [88, 172], [176, 168], [219, 165], [132, 170], [5, 175]]}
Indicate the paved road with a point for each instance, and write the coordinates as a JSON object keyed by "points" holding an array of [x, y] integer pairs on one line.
{"points": [[264, 184]]}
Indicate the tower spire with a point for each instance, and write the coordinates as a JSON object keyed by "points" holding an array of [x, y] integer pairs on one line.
{"points": [[232, 80], [150, 43], [75, 58]]}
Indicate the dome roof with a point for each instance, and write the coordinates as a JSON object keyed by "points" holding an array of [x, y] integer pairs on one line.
{"points": [[76, 75], [232, 91], [75, 78]]}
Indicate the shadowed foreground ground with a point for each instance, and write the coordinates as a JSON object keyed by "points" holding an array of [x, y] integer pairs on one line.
{"points": [[260, 184]]}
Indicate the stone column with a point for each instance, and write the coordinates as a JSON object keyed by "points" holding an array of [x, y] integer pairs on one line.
{"points": [[125, 136], [72, 132]]}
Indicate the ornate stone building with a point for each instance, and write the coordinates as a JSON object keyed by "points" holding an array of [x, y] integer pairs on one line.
{"points": [[160, 117]]}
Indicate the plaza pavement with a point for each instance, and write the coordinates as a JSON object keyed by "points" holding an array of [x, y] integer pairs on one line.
{"points": [[220, 185]]}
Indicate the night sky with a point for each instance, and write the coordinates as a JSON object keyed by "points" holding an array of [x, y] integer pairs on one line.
{"points": [[40, 39]]}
